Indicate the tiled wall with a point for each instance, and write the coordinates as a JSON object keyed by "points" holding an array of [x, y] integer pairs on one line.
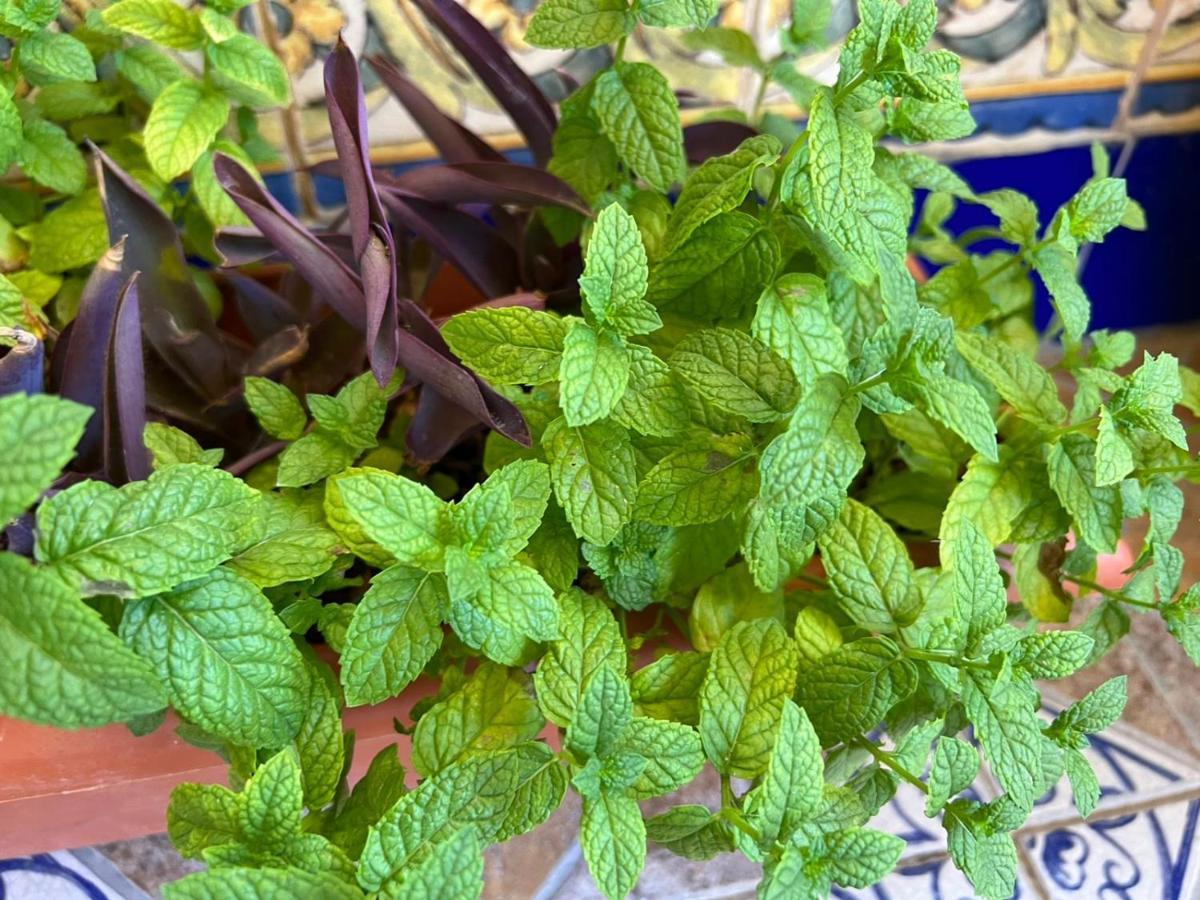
{"points": [[1033, 66]]}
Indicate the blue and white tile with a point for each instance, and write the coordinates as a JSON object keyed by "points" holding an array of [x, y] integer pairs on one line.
{"points": [[65, 875]]}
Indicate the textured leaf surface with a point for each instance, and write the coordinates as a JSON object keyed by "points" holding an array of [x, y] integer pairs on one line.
{"points": [[37, 438], [594, 473], [590, 640], [613, 836], [639, 114]]}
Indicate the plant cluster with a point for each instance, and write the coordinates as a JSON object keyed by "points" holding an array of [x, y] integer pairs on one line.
{"points": [[116, 78], [641, 506]]}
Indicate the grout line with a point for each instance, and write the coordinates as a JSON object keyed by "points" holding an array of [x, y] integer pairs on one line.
{"points": [[566, 866], [1033, 875]]}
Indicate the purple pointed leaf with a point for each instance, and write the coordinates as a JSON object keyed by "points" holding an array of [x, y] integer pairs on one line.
{"points": [[125, 455], [261, 310], [436, 427], [486, 182], [175, 318], [22, 363], [334, 282], [707, 139], [85, 347], [453, 142], [378, 265], [514, 90], [487, 260]]}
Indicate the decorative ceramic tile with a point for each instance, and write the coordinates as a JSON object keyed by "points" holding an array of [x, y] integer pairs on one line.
{"points": [[935, 879], [65, 875]]}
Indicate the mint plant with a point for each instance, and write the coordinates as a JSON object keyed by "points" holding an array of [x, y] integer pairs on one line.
{"points": [[656, 506]]}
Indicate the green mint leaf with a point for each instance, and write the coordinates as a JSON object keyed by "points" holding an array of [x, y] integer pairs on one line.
{"points": [[452, 871], [590, 640], [691, 831], [954, 769], [49, 56], [63, 666], [1056, 264], [751, 672], [272, 802], [49, 156], [554, 550], [1114, 454], [1084, 784], [1149, 396], [794, 876], [1017, 377], [351, 534], [977, 585], [38, 435], [676, 13], [1008, 730], [848, 691], [733, 45], [579, 23], [243, 881], [672, 754], [511, 345], [605, 710], [395, 630], [159, 21], [859, 857], [694, 487], [227, 661], [737, 374], [724, 600], [376, 792], [150, 70], [717, 273], [314, 457], [956, 405], [594, 473], [1018, 215], [201, 816], [1053, 654], [593, 374], [816, 635], [10, 129], [170, 446], [355, 415], [501, 794], [182, 123], [582, 155], [404, 517], [794, 319], [1095, 509], [869, 569], [319, 742], [248, 71], [1097, 209], [615, 275], [654, 402], [289, 542], [1095, 711], [718, 185], [791, 790], [148, 536], [988, 858], [277, 409], [500, 608], [493, 710], [669, 688], [525, 485], [613, 836], [638, 112]]}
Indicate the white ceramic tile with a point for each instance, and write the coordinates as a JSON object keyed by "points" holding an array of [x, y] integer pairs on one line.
{"points": [[59, 876]]}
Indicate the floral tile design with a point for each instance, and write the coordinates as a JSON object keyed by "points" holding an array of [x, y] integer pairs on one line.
{"points": [[65, 875]]}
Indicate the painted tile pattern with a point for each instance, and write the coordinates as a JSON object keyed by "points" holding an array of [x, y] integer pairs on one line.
{"points": [[1011, 49]]}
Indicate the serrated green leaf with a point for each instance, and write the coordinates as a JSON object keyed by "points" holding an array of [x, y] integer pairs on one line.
{"points": [[1054, 654], [1095, 711], [149, 70], [638, 112], [594, 473], [1056, 264], [956, 405], [170, 446], [315, 456], [859, 857], [216, 203], [376, 792], [148, 536], [954, 769], [395, 630], [182, 123], [718, 185], [244, 883], [229, 664], [869, 569], [848, 691], [201, 816], [593, 374], [794, 319], [654, 402], [614, 278], [691, 831], [289, 542], [693, 487], [319, 742], [816, 634], [1084, 784], [72, 235], [511, 345], [672, 753], [500, 607], [978, 588], [1007, 728], [736, 373], [669, 688], [272, 802], [613, 836], [676, 13], [1017, 377], [1094, 508], [579, 23], [1098, 208], [590, 640], [404, 517], [63, 667], [791, 789], [46, 57], [10, 130], [160, 21], [50, 157], [452, 871], [605, 709], [751, 672], [733, 45], [248, 71], [988, 859], [38, 435]]}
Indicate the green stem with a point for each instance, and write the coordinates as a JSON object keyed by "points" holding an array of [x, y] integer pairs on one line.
{"points": [[756, 108], [971, 235], [738, 821], [820, 583], [851, 86], [945, 657], [727, 799], [1109, 593], [619, 55], [885, 758], [875, 380]]}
